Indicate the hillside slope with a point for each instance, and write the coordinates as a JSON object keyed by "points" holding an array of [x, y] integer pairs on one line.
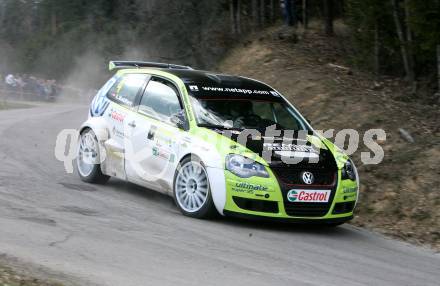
{"points": [[400, 196]]}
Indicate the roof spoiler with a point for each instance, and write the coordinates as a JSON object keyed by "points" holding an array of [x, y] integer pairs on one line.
{"points": [[113, 65]]}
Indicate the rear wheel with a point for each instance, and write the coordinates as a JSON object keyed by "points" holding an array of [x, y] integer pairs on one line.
{"points": [[192, 192], [88, 160]]}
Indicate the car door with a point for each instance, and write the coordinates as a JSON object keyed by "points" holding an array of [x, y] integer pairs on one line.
{"points": [[153, 141], [122, 97]]}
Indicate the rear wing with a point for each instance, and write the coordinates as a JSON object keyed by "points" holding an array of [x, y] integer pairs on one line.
{"points": [[114, 65]]}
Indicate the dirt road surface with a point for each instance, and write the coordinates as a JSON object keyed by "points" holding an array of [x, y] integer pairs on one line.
{"points": [[121, 234]]}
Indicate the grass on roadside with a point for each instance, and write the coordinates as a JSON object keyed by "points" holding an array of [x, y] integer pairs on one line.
{"points": [[5, 105], [8, 277]]}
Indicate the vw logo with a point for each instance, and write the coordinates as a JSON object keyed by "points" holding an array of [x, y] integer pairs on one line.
{"points": [[307, 178]]}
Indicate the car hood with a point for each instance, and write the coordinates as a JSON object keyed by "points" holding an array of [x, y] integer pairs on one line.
{"points": [[297, 149]]}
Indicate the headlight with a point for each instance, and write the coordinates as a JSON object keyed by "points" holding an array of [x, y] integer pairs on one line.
{"points": [[245, 167], [348, 172]]}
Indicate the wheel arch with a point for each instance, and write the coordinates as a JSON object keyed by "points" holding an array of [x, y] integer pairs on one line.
{"points": [[216, 178], [100, 129], [98, 126]]}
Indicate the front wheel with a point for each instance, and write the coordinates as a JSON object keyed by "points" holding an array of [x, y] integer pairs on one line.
{"points": [[192, 192], [88, 160]]}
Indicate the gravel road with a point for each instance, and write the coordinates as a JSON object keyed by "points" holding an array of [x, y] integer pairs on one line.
{"points": [[121, 234]]}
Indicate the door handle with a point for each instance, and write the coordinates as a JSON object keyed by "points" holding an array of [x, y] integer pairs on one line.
{"points": [[132, 124]]}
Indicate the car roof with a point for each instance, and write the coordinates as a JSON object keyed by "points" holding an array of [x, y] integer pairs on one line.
{"points": [[190, 76]]}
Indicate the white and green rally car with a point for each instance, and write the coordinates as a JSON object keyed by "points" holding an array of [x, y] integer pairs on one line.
{"points": [[216, 143]]}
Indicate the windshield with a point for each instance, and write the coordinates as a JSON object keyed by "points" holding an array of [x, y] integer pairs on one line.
{"points": [[246, 114]]}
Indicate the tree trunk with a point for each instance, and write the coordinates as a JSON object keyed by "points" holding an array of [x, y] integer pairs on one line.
{"points": [[376, 49], [238, 16], [272, 11], [409, 37], [263, 12], [403, 45], [305, 20], [235, 13], [438, 67], [53, 23], [328, 12], [255, 13], [232, 16]]}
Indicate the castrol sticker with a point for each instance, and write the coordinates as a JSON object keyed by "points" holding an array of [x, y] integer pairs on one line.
{"points": [[308, 196]]}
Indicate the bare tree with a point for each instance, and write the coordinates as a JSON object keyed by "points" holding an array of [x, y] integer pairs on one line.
{"points": [[238, 16], [235, 14], [328, 12], [409, 35], [403, 43], [438, 68], [272, 11], [376, 49], [263, 12], [53, 22], [255, 12], [232, 16], [305, 19]]}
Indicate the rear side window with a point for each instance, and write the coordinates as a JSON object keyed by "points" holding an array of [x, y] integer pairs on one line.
{"points": [[125, 90], [160, 100]]}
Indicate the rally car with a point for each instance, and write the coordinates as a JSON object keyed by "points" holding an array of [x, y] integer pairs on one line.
{"points": [[218, 144]]}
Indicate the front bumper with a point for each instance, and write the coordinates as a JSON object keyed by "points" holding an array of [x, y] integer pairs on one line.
{"points": [[265, 198], [323, 221]]}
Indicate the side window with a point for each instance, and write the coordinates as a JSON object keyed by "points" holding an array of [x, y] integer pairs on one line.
{"points": [[160, 100], [124, 91]]}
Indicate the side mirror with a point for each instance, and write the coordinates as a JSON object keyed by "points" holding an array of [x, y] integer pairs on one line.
{"points": [[179, 119]]}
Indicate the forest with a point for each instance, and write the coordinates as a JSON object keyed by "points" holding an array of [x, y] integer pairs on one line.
{"points": [[52, 37]]}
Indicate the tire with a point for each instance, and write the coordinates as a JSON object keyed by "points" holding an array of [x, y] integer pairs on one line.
{"points": [[87, 161], [192, 191]]}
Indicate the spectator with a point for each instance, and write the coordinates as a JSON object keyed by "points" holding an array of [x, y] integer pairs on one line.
{"points": [[10, 81], [32, 88], [288, 9]]}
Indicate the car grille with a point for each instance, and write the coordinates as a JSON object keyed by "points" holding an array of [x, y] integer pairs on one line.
{"points": [[290, 178], [306, 209]]}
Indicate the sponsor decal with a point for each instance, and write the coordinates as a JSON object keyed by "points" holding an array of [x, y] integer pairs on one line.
{"points": [[122, 99], [350, 190], [118, 133], [288, 147], [187, 139], [99, 105], [308, 196], [193, 88], [172, 157], [162, 140], [152, 132], [238, 91], [292, 150], [163, 154], [307, 177], [248, 188], [159, 138], [274, 93], [119, 117]]}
